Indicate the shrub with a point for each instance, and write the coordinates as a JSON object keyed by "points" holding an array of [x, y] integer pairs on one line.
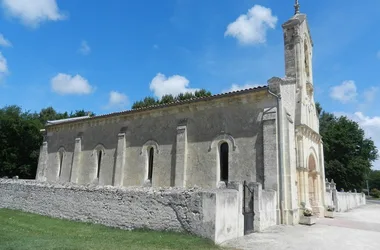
{"points": [[375, 193], [307, 212], [330, 208]]}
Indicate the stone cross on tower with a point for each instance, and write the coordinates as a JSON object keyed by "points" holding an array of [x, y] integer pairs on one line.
{"points": [[297, 8]]}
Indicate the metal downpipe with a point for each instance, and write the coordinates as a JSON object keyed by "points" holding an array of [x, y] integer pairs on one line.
{"points": [[279, 142]]}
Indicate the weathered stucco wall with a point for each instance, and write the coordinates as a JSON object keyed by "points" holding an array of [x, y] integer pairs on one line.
{"points": [[265, 207], [236, 120], [346, 201], [329, 198], [268, 213], [227, 215], [211, 214]]}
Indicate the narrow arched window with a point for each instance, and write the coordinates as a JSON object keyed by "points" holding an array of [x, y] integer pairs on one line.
{"points": [[99, 163], [223, 154], [60, 162], [150, 164]]}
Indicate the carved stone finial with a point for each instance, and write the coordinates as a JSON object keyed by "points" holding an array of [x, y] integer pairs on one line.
{"points": [[297, 7]]}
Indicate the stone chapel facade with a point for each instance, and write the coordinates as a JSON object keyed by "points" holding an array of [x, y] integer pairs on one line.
{"points": [[268, 135]]}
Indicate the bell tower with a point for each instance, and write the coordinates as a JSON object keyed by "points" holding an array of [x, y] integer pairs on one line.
{"points": [[308, 166], [298, 66]]}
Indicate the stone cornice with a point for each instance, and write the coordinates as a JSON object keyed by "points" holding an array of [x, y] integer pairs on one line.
{"points": [[304, 130], [300, 169], [275, 83], [314, 172]]}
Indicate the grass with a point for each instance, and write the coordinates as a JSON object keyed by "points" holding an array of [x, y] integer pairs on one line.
{"points": [[19, 230]]}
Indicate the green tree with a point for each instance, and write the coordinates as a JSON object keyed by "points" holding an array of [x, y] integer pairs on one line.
{"points": [[49, 114], [167, 99], [318, 108], [202, 93], [374, 179], [348, 154], [20, 138], [150, 101], [147, 102], [79, 113]]}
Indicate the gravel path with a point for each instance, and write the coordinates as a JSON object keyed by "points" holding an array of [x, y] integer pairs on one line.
{"points": [[354, 230]]}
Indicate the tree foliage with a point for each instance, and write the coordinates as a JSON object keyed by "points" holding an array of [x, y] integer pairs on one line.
{"points": [[348, 154], [374, 179], [151, 101], [49, 114], [20, 138]]}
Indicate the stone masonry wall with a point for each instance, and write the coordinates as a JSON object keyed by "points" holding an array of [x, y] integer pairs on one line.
{"points": [[185, 138], [342, 201], [192, 210]]}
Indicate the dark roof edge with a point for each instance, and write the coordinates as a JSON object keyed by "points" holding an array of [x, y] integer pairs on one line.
{"points": [[193, 100]]}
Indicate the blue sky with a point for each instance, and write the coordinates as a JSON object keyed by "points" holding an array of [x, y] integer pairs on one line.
{"points": [[104, 55]]}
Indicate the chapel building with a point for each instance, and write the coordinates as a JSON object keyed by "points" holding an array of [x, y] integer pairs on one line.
{"points": [[269, 135]]}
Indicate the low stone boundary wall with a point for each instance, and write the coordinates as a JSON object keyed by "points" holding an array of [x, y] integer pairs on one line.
{"points": [[342, 201], [268, 210], [264, 205], [329, 200], [212, 214], [346, 201]]}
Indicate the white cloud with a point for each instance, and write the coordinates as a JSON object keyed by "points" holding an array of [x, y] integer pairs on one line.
{"points": [[370, 125], [378, 54], [346, 92], [370, 94], [84, 48], [65, 84], [117, 99], [176, 84], [33, 12], [3, 66], [251, 28], [4, 42], [236, 87]]}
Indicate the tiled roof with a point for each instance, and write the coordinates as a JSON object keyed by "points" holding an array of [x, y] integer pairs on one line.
{"points": [[66, 120], [197, 99]]}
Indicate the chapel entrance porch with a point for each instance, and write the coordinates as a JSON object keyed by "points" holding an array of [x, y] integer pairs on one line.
{"points": [[309, 186]]}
